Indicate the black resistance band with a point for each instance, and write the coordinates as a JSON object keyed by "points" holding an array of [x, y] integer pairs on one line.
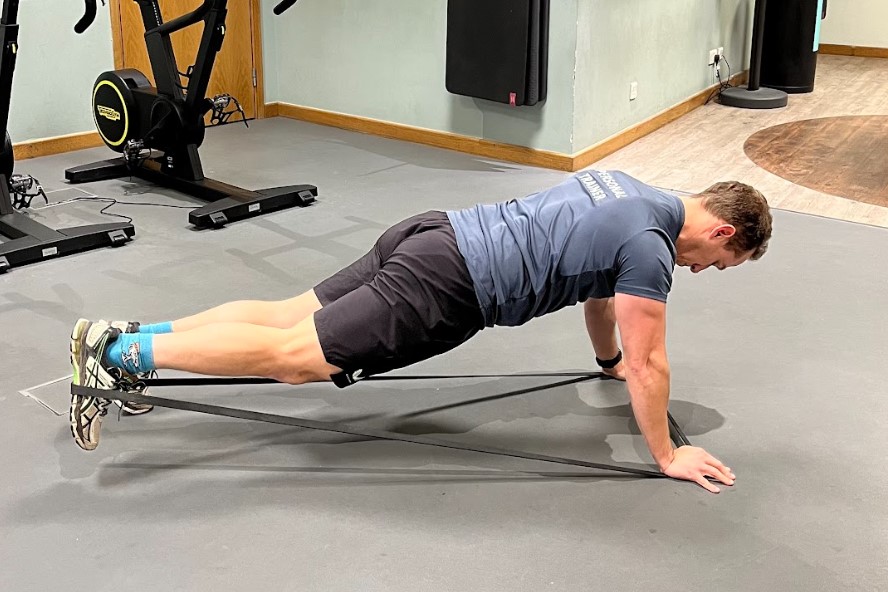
{"points": [[137, 396]]}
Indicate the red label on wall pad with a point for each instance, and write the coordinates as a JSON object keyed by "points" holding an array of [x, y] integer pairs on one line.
{"points": [[513, 97]]}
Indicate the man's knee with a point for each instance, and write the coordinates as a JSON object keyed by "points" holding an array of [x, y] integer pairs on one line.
{"points": [[301, 358]]}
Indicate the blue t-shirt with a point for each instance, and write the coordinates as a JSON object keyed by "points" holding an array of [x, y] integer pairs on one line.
{"points": [[594, 235]]}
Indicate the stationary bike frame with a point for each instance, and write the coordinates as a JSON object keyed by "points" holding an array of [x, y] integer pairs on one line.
{"points": [[170, 118]]}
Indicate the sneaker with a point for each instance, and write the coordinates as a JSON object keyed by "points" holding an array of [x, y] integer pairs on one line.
{"points": [[126, 407], [88, 344], [125, 326]]}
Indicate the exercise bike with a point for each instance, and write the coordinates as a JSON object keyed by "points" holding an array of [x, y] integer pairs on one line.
{"points": [[136, 119], [28, 240]]}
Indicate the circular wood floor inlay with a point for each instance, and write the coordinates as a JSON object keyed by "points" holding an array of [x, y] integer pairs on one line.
{"points": [[843, 156]]}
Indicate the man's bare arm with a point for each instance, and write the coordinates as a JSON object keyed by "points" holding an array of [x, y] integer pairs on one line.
{"points": [[642, 323]]}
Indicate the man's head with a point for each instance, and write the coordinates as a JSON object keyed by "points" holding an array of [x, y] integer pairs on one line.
{"points": [[726, 225]]}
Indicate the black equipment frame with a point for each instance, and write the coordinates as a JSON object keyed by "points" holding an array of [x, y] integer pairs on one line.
{"points": [[754, 95], [29, 241], [181, 169]]}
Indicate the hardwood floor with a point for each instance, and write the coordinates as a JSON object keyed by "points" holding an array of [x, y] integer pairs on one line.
{"points": [[707, 145], [843, 156]]}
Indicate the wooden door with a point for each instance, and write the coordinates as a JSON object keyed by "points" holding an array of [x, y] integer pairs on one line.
{"points": [[234, 72]]}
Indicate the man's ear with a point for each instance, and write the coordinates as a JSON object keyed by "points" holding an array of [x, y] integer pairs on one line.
{"points": [[723, 231]]}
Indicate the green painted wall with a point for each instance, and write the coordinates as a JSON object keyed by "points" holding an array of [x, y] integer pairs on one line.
{"points": [[56, 68], [664, 46], [384, 59]]}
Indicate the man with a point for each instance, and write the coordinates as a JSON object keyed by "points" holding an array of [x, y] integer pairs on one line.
{"points": [[431, 282]]}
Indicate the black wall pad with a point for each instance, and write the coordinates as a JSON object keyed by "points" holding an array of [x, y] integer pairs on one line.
{"points": [[544, 50], [533, 53], [498, 49]]}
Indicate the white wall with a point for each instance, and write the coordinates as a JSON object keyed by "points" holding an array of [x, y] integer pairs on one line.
{"points": [[856, 22], [56, 68]]}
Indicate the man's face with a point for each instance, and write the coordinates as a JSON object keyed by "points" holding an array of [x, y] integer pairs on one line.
{"points": [[711, 250]]}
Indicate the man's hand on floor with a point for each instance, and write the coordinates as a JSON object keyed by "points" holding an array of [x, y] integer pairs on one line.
{"points": [[695, 464]]}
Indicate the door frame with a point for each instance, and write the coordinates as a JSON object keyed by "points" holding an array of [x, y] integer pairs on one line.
{"points": [[255, 36]]}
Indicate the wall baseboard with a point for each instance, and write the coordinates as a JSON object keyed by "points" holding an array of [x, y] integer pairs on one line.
{"points": [[48, 146], [491, 149], [428, 137], [450, 141], [854, 50]]}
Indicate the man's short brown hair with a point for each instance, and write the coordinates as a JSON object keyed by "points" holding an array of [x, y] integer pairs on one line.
{"points": [[746, 209]]}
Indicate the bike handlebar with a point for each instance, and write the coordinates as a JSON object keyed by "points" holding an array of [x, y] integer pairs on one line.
{"points": [[186, 20], [284, 6], [89, 15]]}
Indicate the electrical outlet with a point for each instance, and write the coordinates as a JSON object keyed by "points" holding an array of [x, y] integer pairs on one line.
{"points": [[721, 52], [633, 91], [712, 54]]}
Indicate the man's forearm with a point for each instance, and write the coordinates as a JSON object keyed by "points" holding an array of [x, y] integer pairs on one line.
{"points": [[649, 392], [601, 324]]}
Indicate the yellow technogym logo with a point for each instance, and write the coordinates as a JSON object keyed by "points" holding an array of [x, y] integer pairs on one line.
{"points": [[111, 114], [108, 113]]}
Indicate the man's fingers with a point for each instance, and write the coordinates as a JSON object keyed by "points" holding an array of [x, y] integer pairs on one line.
{"points": [[719, 475], [702, 482], [714, 462], [699, 466]]}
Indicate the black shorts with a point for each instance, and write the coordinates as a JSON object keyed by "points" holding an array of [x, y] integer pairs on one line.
{"points": [[410, 298]]}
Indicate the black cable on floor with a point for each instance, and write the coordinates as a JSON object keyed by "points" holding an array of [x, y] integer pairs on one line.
{"points": [[112, 202]]}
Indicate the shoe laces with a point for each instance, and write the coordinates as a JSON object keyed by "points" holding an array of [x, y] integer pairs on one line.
{"points": [[103, 405], [129, 383], [122, 380]]}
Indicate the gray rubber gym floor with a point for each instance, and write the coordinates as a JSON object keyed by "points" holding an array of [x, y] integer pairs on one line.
{"points": [[778, 369]]}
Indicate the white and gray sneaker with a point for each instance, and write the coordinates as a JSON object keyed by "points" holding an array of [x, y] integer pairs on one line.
{"points": [[89, 342], [127, 407]]}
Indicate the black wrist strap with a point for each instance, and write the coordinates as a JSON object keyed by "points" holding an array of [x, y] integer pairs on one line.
{"points": [[608, 364]]}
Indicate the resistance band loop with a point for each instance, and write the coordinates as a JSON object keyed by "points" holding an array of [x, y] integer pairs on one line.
{"points": [[678, 437]]}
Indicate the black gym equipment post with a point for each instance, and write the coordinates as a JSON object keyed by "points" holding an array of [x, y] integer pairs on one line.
{"points": [[134, 118], [753, 95], [29, 241]]}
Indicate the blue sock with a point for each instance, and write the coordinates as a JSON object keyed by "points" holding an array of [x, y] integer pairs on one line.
{"points": [[134, 352], [157, 328]]}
